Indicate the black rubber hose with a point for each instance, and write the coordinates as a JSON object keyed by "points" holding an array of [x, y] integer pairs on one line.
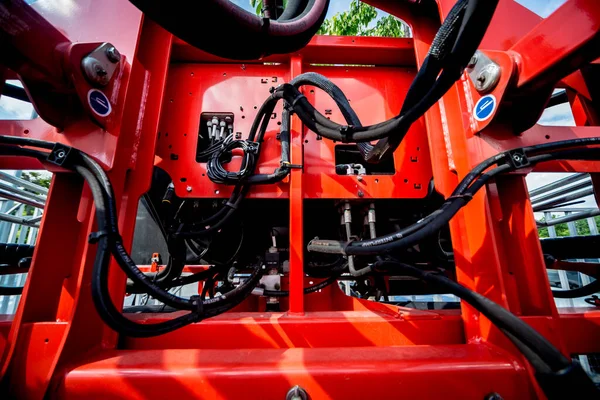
{"points": [[101, 295], [10, 290], [586, 290], [550, 364], [245, 35], [498, 315], [109, 241], [461, 195], [12, 253], [423, 99]]}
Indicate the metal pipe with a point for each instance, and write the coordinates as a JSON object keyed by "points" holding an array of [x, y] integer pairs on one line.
{"points": [[559, 183], [564, 190], [15, 197], [22, 182], [347, 219], [569, 218], [22, 192], [563, 199], [371, 220], [19, 220]]}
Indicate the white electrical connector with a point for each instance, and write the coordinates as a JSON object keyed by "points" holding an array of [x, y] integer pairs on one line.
{"points": [[209, 125], [215, 125], [222, 132]]}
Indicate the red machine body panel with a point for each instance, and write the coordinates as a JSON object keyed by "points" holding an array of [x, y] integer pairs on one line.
{"points": [[334, 346]]}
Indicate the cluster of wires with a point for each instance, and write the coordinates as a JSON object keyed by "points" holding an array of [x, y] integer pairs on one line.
{"points": [[214, 148], [450, 52], [110, 243]]}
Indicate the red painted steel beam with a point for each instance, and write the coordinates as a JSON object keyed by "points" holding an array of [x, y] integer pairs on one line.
{"points": [[296, 251], [559, 45], [451, 372], [323, 50], [314, 330]]}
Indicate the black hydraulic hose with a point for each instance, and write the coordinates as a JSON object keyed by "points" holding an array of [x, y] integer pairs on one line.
{"points": [[246, 36], [461, 195], [425, 91], [340, 99], [292, 10], [586, 290], [550, 364], [109, 241], [10, 290], [200, 308]]}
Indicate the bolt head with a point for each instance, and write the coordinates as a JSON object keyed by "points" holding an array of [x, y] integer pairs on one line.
{"points": [[188, 188], [359, 178], [100, 71], [113, 54], [60, 154], [487, 78], [473, 61], [517, 157], [361, 193]]}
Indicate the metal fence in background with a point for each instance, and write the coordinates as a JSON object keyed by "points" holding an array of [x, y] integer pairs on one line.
{"points": [[21, 207], [558, 201]]}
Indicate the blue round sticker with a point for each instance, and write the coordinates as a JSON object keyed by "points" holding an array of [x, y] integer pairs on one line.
{"points": [[99, 103], [485, 107]]}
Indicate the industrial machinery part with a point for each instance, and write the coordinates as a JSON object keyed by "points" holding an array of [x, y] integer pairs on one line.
{"points": [[217, 229]]}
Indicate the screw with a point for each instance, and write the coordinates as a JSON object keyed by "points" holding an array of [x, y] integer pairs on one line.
{"points": [[493, 396], [517, 158], [100, 71], [473, 61], [359, 178], [113, 54], [296, 393], [188, 188], [360, 193], [487, 78], [60, 154]]}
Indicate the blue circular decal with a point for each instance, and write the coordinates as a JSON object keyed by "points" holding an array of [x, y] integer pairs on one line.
{"points": [[99, 103], [485, 107]]}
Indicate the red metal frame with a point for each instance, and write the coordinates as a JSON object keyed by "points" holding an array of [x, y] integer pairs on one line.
{"points": [[330, 344]]}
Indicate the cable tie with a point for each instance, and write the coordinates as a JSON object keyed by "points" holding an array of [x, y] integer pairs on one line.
{"points": [[346, 132], [287, 164], [197, 301], [61, 155], [517, 158], [465, 196], [252, 147], [296, 99], [230, 205], [95, 237]]}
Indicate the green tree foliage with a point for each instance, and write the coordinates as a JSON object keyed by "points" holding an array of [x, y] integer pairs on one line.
{"points": [[37, 178], [582, 226], [257, 5], [356, 21]]}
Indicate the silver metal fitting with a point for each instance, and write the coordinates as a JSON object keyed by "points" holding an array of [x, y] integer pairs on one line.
{"points": [[483, 72], [99, 66]]}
